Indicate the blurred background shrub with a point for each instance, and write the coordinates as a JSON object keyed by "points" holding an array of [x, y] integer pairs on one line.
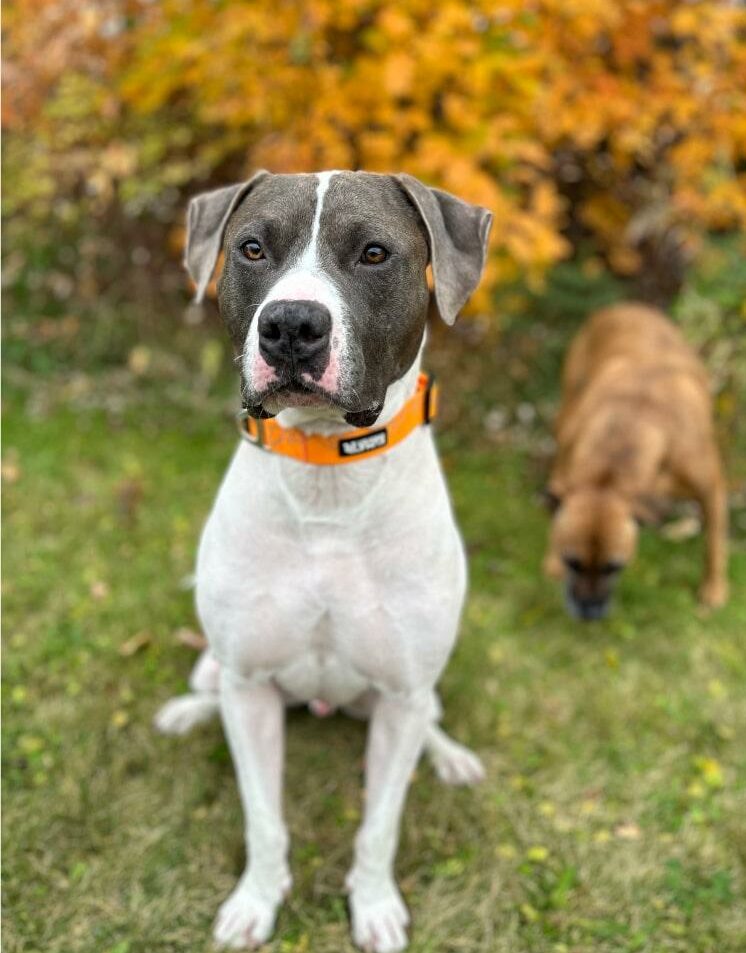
{"points": [[615, 126]]}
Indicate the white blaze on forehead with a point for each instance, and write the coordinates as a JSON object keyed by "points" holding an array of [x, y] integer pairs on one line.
{"points": [[324, 180], [305, 281]]}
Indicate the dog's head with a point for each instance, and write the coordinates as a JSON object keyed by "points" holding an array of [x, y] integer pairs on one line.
{"points": [[594, 533], [324, 289]]}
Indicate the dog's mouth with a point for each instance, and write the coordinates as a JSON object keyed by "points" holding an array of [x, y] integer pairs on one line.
{"points": [[305, 394]]}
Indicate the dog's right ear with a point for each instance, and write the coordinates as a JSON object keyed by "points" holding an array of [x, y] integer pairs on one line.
{"points": [[207, 217]]}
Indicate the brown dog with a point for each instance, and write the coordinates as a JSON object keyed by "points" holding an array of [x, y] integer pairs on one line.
{"points": [[634, 428]]}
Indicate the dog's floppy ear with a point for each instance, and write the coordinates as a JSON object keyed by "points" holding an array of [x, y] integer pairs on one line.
{"points": [[457, 235], [207, 217]]}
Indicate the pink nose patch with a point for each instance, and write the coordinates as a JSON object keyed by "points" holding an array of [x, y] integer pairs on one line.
{"points": [[263, 374], [320, 708], [329, 380]]}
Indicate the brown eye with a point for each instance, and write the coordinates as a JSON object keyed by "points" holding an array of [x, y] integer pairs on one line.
{"points": [[253, 251], [374, 255]]}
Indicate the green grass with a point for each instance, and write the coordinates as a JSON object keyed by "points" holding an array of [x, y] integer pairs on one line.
{"points": [[612, 818]]}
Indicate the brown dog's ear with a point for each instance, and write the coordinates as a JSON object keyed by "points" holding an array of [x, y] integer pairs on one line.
{"points": [[207, 217], [457, 235]]}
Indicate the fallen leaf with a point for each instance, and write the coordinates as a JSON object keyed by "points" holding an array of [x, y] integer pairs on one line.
{"points": [[99, 590], [710, 770], [506, 851], [129, 497], [529, 912], [134, 644], [190, 638], [10, 471], [120, 718], [139, 360], [627, 830]]}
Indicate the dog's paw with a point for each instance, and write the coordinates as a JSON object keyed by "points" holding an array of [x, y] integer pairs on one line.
{"points": [[379, 918], [454, 763], [247, 918], [713, 593], [179, 715]]}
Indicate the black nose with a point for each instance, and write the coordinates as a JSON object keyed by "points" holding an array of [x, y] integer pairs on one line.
{"points": [[590, 609], [295, 334], [586, 607]]}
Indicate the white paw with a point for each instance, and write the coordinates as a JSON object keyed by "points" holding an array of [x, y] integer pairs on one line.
{"points": [[246, 919], [455, 764], [379, 919], [179, 715]]}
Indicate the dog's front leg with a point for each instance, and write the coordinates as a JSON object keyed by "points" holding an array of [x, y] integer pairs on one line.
{"points": [[253, 715], [714, 589], [395, 739]]}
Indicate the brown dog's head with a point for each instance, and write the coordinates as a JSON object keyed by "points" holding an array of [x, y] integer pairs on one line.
{"points": [[594, 533]]}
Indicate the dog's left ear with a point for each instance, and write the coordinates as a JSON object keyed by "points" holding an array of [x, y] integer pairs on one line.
{"points": [[457, 235], [207, 217]]}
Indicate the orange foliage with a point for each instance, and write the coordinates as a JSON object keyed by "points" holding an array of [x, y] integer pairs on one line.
{"points": [[633, 110]]}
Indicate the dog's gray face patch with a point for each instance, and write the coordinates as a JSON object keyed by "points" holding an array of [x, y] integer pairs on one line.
{"points": [[303, 238], [386, 302]]}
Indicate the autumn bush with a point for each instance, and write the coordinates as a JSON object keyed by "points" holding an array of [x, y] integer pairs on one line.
{"points": [[620, 124]]}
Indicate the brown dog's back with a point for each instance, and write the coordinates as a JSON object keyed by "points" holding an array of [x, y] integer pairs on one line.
{"points": [[633, 392], [636, 334]]}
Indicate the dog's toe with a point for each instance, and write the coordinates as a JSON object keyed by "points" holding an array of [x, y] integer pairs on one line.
{"points": [[245, 920], [379, 921]]}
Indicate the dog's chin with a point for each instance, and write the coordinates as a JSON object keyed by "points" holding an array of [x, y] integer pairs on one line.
{"points": [[271, 403], [364, 418]]}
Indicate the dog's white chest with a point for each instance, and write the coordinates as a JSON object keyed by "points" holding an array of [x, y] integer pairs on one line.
{"points": [[356, 583]]}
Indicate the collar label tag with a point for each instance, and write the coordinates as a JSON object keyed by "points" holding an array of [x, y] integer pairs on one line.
{"points": [[358, 445]]}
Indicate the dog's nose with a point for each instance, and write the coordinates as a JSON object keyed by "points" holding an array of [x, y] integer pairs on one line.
{"points": [[591, 609], [294, 332]]}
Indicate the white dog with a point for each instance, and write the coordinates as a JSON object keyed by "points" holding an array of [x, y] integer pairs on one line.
{"points": [[330, 571]]}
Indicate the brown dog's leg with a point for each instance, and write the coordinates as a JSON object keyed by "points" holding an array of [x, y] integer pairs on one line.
{"points": [[714, 589]]}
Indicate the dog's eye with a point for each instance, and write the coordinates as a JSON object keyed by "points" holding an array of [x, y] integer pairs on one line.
{"points": [[608, 569], [374, 255], [573, 563], [252, 250]]}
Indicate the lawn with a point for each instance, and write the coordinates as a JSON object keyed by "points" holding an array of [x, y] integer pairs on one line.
{"points": [[612, 817]]}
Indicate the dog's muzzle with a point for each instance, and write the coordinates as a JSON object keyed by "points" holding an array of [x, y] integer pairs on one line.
{"points": [[294, 337], [588, 609]]}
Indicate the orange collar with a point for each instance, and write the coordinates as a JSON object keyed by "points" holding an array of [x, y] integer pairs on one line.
{"points": [[360, 444]]}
